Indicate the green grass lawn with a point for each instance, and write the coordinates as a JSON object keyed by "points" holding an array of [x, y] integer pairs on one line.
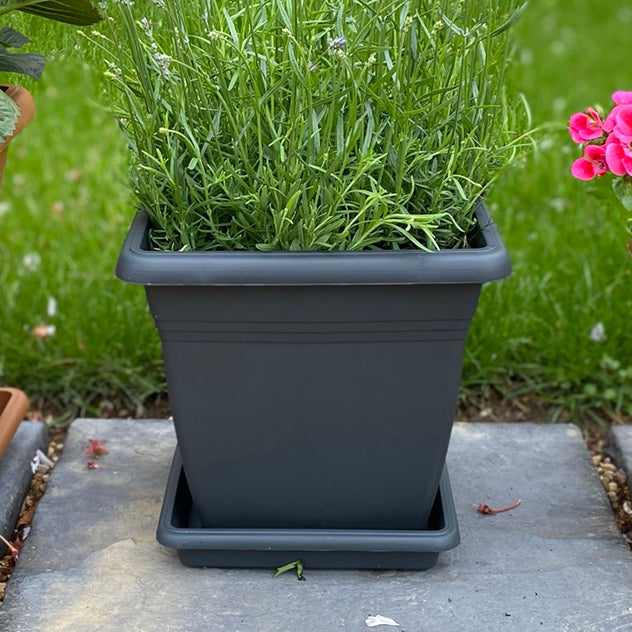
{"points": [[65, 205]]}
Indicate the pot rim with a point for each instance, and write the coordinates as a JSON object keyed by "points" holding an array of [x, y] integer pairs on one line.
{"points": [[488, 262], [11, 415], [24, 100]]}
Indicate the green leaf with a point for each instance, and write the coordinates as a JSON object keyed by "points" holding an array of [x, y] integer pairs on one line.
{"points": [[29, 64], [9, 114], [622, 188], [513, 18], [296, 564], [78, 12], [12, 39]]}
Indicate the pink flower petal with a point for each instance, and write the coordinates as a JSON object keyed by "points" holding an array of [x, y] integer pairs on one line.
{"points": [[623, 124], [611, 138], [597, 155], [611, 119], [584, 169], [621, 138], [621, 97], [595, 152], [614, 158]]}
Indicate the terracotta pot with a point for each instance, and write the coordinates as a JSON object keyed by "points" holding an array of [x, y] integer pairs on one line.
{"points": [[27, 111], [13, 407]]}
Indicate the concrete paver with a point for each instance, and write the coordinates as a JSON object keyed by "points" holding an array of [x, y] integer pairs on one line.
{"points": [[556, 563], [620, 444], [16, 474]]}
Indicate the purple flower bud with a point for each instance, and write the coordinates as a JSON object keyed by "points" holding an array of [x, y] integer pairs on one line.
{"points": [[336, 44]]}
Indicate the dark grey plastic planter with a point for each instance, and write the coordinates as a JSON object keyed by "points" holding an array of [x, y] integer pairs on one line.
{"points": [[313, 390], [179, 528]]}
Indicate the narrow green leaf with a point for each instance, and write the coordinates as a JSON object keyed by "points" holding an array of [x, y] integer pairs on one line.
{"points": [[315, 130], [513, 18], [453, 27], [370, 128], [285, 18], [231, 28], [340, 134]]}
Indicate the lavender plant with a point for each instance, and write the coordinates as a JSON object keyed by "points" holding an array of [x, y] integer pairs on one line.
{"points": [[311, 125]]}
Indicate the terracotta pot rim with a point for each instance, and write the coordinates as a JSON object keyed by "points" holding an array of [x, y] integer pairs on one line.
{"points": [[12, 413], [25, 102]]}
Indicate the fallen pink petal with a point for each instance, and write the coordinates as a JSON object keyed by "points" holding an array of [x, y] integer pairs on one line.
{"points": [[486, 509], [96, 448]]}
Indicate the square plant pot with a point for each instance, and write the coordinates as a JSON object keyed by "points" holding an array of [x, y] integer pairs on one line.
{"points": [[313, 390]]}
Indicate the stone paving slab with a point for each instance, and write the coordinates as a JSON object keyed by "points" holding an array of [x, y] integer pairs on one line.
{"points": [[16, 474], [620, 445], [556, 563]]}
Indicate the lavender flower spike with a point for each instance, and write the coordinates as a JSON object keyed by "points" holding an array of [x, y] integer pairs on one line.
{"points": [[337, 44]]}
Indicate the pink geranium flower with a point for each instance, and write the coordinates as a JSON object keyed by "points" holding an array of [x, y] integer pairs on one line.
{"points": [[618, 156], [585, 126], [621, 97], [592, 164], [623, 124]]}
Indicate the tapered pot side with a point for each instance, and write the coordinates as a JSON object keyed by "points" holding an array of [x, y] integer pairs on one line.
{"points": [[13, 407], [313, 390]]}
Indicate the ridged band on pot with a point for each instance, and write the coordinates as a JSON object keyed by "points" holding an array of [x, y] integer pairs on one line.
{"points": [[313, 390]]}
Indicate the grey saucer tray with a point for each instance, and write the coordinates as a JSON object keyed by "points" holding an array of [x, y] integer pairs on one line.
{"points": [[316, 548]]}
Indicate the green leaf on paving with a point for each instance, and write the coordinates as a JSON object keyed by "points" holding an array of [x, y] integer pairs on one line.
{"points": [[296, 564]]}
